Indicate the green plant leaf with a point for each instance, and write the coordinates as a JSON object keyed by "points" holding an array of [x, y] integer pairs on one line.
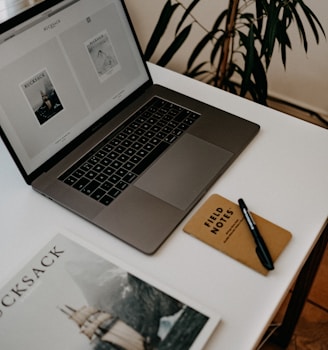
{"points": [[283, 40], [260, 79], [300, 28], [217, 47], [270, 31], [186, 14], [253, 91], [265, 6], [160, 28], [251, 21], [231, 87], [248, 42], [220, 19], [198, 49], [312, 18], [287, 16], [251, 87], [248, 16], [174, 47], [259, 14], [218, 41], [197, 71]]}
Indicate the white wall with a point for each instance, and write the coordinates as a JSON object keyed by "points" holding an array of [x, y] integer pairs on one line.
{"points": [[305, 81]]}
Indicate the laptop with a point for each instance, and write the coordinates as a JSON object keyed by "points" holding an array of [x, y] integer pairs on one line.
{"points": [[87, 127]]}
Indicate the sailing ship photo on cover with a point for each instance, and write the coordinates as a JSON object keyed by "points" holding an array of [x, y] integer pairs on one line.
{"points": [[82, 301]]}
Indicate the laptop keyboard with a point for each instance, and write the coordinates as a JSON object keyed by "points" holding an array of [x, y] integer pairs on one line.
{"points": [[106, 171]]}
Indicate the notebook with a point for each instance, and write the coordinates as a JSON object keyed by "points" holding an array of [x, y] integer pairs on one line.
{"points": [[87, 127]]}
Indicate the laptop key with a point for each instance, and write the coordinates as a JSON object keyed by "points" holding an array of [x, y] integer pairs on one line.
{"points": [[106, 186], [129, 177], [106, 200], [78, 173], [121, 172], [91, 174], [70, 180], [91, 187], [86, 166], [101, 177], [170, 138], [128, 165], [121, 185], [114, 178], [97, 194], [136, 159], [114, 192], [81, 183], [98, 168]]}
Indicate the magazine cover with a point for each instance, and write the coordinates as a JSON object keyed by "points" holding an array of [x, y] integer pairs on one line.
{"points": [[42, 96], [102, 55], [71, 296]]}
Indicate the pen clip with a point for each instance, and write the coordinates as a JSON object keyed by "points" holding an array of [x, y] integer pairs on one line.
{"points": [[263, 259]]}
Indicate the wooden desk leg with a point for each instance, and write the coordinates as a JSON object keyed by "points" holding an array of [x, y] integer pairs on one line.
{"points": [[283, 334]]}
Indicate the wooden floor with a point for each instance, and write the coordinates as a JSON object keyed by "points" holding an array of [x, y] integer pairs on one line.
{"points": [[312, 330]]}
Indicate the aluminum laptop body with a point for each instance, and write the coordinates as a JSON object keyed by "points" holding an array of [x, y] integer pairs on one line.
{"points": [[72, 73]]}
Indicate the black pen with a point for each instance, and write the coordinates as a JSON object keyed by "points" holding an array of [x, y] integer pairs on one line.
{"points": [[261, 248]]}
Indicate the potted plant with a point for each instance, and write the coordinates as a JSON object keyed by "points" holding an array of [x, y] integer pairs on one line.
{"points": [[242, 39]]}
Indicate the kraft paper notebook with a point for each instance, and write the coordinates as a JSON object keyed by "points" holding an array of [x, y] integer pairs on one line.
{"points": [[220, 223]]}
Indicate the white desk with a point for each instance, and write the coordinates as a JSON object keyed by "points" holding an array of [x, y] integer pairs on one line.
{"points": [[282, 175]]}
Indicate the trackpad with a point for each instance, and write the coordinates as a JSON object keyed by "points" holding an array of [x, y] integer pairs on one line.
{"points": [[184, 171]]}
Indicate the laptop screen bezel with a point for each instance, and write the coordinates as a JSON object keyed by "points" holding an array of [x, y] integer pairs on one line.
{"points": [[48, 164]]}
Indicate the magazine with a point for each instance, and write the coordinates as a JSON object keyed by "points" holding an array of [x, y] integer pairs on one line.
{"points": [[74, 296], [42, 96], [102, 55]]}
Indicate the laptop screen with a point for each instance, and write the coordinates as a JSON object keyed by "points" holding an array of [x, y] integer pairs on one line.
{"points": [[63, 70]]}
